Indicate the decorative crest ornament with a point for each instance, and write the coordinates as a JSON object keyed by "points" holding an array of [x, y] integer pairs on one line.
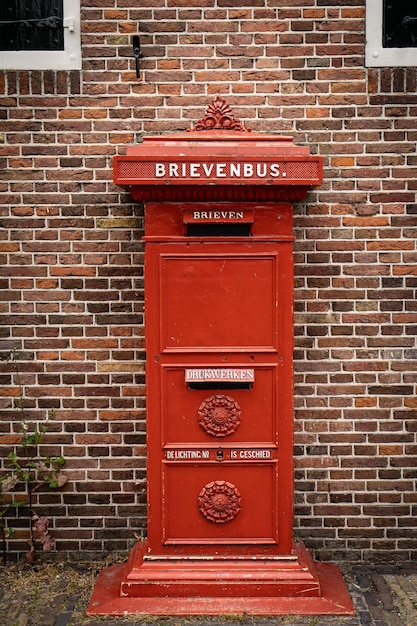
{"points": [[219, 501], [219, 116], [219, 415]]}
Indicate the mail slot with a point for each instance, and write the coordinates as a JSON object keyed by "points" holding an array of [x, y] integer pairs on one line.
{"points": [[219, 343]]}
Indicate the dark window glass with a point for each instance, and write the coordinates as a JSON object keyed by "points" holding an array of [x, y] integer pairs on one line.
{"points": [[31, 25], [400, 24]]}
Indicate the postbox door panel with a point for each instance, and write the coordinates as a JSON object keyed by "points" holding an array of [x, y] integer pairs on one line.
{"points": [[212, 414], [220, 504], [218, 301]]}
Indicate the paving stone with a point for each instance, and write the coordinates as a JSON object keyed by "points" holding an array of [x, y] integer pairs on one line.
{"points": [[376, 612], [364, 582], [371, 598], [384, 591], [386, 600], [365, 618]]}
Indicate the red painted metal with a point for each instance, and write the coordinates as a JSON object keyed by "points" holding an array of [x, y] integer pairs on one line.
{"points": [[194, 167], [218, 292], [293, 585]]}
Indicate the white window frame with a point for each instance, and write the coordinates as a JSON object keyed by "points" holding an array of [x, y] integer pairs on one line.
{"points": [[375, 54], [67, 59]]}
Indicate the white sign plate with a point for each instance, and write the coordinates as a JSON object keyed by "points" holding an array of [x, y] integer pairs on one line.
{"points": [[219, 374]]}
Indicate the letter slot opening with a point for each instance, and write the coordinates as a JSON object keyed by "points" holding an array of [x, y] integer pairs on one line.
{"points": [[218, 230], [216, 385]]}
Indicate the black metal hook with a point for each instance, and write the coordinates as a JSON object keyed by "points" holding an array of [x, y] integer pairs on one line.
{"points": [[137, 53]]}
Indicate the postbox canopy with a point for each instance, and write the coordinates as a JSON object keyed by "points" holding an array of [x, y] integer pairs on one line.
{"points": [[218, 159]]}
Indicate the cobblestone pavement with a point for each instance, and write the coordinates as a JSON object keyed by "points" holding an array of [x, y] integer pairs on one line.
{"points": [[58, 595]]}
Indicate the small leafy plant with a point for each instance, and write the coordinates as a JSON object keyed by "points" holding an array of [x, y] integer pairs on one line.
{"points": [[7, 503], [28, 471]]}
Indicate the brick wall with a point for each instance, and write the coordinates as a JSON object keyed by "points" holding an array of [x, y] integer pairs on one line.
{"points": [[71, 297]]}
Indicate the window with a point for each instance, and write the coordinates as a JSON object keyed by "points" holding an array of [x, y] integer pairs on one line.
{"points": [[391, 33], [40, 34]]}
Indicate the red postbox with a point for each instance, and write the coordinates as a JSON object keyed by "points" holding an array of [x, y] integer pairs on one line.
{"points": [[219, 340]]}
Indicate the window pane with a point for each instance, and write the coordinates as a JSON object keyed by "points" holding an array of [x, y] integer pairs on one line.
{"points": [[400, 24], [31, 25]]}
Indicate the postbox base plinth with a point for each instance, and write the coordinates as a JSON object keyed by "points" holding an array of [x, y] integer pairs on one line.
{"points": [[288, 585]]}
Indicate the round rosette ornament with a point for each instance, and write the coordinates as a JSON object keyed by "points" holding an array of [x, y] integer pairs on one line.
{"points": [[219, 415], [219, 501]]}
